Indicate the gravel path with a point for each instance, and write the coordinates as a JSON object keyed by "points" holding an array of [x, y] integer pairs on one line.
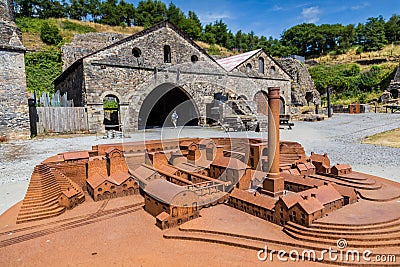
{"points": [[339, 137]]}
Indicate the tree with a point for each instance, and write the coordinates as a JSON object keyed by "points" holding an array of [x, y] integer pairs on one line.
{"points": [[175, 15], [392, 29], [374, 34], [150, 12], [50, 34], [79, 9]]}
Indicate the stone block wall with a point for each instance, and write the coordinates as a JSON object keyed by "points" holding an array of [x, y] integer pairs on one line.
{"points": [[302, 81]]}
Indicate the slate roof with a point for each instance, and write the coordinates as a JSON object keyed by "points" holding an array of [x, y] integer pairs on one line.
{"points": [[229, 63]]}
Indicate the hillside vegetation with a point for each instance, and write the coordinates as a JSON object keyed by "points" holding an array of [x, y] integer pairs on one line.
{"points": [[355, 61]]}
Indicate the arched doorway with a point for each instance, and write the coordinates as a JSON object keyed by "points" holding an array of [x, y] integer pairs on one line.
{"points": [[158, 106], [111, 112], [261, 99]]}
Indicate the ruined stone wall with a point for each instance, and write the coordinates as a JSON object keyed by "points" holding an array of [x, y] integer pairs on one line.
{"points": [[395, 84], [73, 85], [302, 81], [85, 44], [14, 114]]}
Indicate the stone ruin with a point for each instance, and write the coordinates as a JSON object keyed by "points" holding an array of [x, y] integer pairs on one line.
{"points": [[394, 86], [303, 89], [85, 44]]}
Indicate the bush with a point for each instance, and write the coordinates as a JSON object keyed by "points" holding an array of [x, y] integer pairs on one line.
{"points": [[50, 34]]}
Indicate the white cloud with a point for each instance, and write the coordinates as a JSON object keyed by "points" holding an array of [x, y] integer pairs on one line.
{"points": [[277, 8], [363, 5], [311, 14], [211, 17]]}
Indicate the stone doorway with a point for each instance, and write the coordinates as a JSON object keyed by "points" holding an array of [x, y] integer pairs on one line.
{"points": [[261, 99], [159, 105], [111, 113]]}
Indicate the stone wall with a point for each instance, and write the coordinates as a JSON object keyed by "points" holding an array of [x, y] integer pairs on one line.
{"points": [[302, 81], [85, 44], [73, 85], [14, 116], [131, 69], [394, 86]]}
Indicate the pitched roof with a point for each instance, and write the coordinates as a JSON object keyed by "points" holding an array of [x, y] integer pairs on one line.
{"points": [[70, 192], [325, 194], [229, 63], [297, 179], [311, 205], [95, 180], [167, 168], [230, 163], [162, 216], [143, 172], [254, 198], [345, 190], [342, 166], [118, 177], [153, 28], [291, 199], [163, 190]]}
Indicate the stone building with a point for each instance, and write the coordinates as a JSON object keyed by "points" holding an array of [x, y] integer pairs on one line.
{"points": [[156, 71], [14, 116], [394, 86]]}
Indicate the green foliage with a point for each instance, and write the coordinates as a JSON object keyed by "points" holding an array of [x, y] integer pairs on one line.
{"points": [[71, 26], [213, 50], [41, 69], [111, 104], [349, 82], [27, 24], [150, 12], [50, 34]]}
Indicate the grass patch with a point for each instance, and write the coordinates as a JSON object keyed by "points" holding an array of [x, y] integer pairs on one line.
{"points": [[390, 138]]}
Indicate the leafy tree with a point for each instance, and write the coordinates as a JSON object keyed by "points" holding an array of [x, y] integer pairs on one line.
{"points": [[175, 14], [127, 12], [392, 29], [150, 12], [79, 9], [50, 34], [374, 34]]}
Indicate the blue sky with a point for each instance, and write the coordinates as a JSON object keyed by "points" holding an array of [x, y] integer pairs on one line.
{"points": [[271, 18]]}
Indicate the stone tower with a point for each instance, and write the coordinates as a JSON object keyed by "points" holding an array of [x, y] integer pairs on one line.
{"points": [[14, 114]]}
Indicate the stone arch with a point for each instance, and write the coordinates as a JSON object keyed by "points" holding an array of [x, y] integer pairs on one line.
{"points": [[111, 112], [158, 105], [261, 100]]}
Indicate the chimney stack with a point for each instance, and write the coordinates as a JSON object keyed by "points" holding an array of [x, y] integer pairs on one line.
{"points": [[274, 184]]}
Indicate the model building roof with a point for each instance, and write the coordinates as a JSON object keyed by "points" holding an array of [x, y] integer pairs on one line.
{"points": [[163, 190], [254, 198], [76, 155], [162, 216], [325, 194], [95, 180], [118, 177], [231, 163], [311, 205], [342, 166], [70, 192], [143, 172], [291, 199]]}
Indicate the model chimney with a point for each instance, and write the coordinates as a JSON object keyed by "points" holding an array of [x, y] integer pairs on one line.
{"points": [[273, 184]]}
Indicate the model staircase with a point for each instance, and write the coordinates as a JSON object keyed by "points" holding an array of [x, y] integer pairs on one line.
{"points": [[41, 199], [385, 234]]}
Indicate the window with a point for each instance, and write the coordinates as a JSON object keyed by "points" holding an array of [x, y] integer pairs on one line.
{"points": [[174, 212], [99, 189], [272, 70], [112, 187], [260, 65], [136, 52], [194, 58], [167, 54], [248, 67]]}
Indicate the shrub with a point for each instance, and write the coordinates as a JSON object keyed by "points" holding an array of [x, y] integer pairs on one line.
{"points": [[50, 34]]}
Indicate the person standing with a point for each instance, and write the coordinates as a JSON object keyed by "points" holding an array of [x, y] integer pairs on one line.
{"points": [[174, 118]]}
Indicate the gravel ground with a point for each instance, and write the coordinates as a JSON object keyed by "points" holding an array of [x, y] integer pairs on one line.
{"points": [[339, 136]]}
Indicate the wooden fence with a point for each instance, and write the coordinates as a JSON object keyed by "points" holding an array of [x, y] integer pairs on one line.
{"points": [[58, 120]]}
